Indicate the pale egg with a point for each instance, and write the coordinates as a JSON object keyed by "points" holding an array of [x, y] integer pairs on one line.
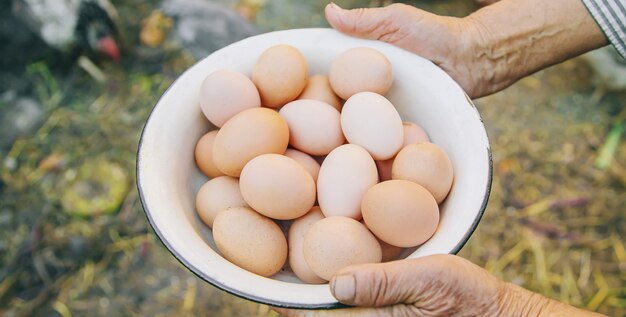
{"points": [[314, 126], [371, 121], [225, 93], [306, 161], [345, 175]]}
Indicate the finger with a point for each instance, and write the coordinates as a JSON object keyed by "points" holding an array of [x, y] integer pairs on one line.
{"points": [[385, 284], [373, 23]]}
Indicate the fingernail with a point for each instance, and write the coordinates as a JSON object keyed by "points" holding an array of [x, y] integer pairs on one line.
{"points": [[344, 287], [335, 6]]}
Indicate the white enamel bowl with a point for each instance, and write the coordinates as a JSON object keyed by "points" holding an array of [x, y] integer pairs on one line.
{"points": [[168, 178]]}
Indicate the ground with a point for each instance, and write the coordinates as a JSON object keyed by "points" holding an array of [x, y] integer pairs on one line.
{"points": [[554, 224]]}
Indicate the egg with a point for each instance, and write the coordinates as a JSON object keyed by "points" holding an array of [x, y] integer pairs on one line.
{"points": [[390, 252], [314, 126], [400, 212], [384, 169], [298, 229], [413, 133], [277, 187], [371, 121], [426, 164], [280, 74], [249, 134], [250, 240], [318, 88], [337, 242], [204, 155], [345, 175], [216, 195], [360, 69], [224, 93], [306, 161]]}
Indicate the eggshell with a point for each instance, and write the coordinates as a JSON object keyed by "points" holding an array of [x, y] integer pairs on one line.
{"points": [[204, 155], [400, 212], [336, 242], [277, 187], [216, 195], [250, 240], [318, 88], [280, 74], [306, 161], [298, 229], [345, 175], [371, 121], [249, 134], [314, 126], [426, 164], [384, 169], [413, 133], [360, 69], [390, 252], [224, 93]]}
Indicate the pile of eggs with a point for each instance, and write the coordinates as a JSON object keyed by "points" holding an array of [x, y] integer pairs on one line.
{"points": [[299, 176]]}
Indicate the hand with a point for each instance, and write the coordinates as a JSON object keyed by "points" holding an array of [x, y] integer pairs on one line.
{"points": [[488, 50], [436, 285]]}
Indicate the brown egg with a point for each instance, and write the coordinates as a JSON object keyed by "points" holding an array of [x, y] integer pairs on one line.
{"points": [[280, 74], [390, 252], [216, 195], [277, 187], [413, 133], [318, 88], [298, 229], [250, 240], [225, 93], [306, 161], [336, 242], [314, 126], [360, 69], [247, 135], [204, 155], [400, 212], [426, 164]]}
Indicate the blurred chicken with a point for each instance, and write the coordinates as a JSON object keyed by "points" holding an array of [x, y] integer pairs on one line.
{"points": [[35, 29]]}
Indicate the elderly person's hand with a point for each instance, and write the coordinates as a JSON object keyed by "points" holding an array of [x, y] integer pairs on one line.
{"points": [[488, 50], [436, 285]]}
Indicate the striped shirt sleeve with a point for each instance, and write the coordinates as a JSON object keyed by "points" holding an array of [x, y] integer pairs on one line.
{"points": [[611, 17]]}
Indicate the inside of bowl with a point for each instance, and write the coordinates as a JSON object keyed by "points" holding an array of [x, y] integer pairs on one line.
{"points": [[168, 177]]}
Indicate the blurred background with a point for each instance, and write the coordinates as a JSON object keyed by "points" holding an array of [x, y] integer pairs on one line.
{"points": [[79, 78]]}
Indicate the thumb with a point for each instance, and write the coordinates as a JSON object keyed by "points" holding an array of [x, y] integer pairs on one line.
{"points": [[372, 23], [376, 285]]}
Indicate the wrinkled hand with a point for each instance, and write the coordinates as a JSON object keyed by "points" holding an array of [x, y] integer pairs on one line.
{"points": [[445, 41], [488, 50], [436, 285]]}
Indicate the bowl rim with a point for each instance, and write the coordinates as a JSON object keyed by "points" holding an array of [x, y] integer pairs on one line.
{"points": [[258, 299]]}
